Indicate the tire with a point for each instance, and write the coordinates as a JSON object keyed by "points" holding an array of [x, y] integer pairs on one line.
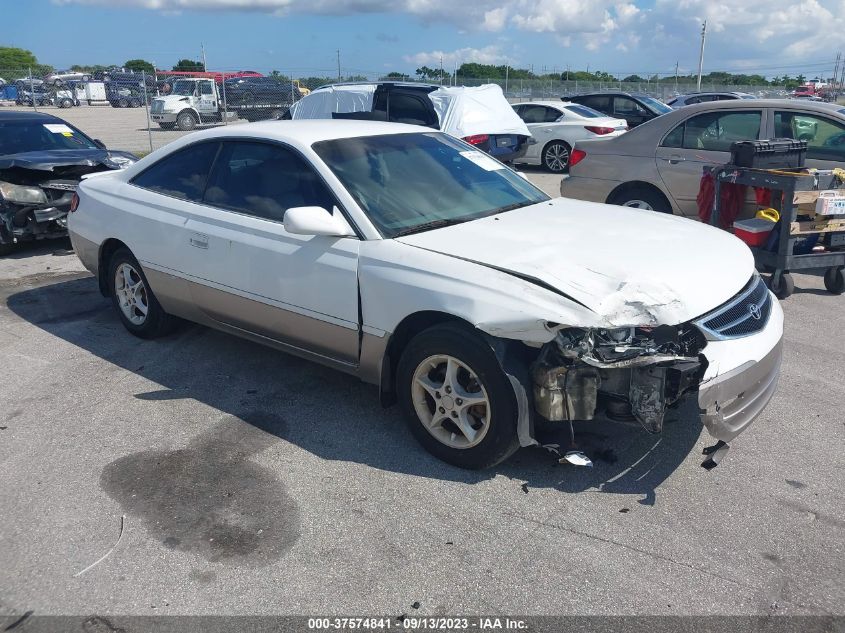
{"points": [[6, 249], [247, 97], [424, 360], [276, 115], [555, 157], [186, 121], [129, 304], [66, 103], [134, 103], [167, 126], [86, 78], [834, 280], [123, 102], [782, 285], [640, 198]]}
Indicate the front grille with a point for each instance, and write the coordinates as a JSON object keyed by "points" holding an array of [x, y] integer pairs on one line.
{"points": [[747, 313]]}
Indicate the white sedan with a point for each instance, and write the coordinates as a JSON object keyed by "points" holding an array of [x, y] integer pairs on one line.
{"points": [[420, 264], [557, 125]]}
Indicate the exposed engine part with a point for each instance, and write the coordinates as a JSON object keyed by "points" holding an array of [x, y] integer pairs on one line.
{"points": [[636, 371]]}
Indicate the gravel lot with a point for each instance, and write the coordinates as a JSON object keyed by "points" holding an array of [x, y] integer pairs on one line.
{"points": [[250, 482]]}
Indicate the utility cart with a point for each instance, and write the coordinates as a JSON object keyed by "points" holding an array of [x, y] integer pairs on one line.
{"points": [[791, 188]]}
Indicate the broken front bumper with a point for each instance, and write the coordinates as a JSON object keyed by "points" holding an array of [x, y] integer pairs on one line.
{"points": [[733, 379], [741, 378]]}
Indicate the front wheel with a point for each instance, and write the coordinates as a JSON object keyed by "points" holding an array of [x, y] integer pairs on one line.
{"points": [[186, 122], [133, 299], [458, 403], [781, 284], [556, 157]]}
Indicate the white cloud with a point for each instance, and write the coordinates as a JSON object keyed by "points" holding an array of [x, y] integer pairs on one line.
{"points": [[775, 31], [486, 55]]}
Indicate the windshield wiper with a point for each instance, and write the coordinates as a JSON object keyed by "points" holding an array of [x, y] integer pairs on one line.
{"points": [[428, 226]]}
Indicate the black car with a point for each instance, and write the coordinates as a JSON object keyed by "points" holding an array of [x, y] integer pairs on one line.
{"points": [[42, 160], [634, 108], [248, 90]]}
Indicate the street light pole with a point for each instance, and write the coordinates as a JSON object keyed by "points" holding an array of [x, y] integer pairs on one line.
{"points": [[701, 53]]}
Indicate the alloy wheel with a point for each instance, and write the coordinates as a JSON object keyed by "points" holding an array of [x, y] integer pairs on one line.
{"points": [[450, 401], [557, 157], [131, 293]]}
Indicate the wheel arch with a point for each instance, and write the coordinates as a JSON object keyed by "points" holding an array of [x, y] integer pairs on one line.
{"points": [[107, 249], [640, 184], [406, 330]]}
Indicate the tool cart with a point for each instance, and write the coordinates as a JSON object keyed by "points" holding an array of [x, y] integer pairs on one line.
{"points": [[811, 209]]}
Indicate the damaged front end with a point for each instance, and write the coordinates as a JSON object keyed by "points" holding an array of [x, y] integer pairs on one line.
{"points": [[632, 372], [34, 203]]}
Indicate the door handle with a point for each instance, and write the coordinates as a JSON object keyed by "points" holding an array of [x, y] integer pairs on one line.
{"points": [[673, 160], [199, 240]]}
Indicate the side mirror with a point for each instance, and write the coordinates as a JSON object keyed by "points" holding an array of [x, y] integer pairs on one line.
{"points": [[315, 221], [99, 143]]}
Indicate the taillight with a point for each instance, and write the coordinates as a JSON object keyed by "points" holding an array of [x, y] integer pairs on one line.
{"points": [[74, 202], [477, 139], [576, 156], [599, 130]]}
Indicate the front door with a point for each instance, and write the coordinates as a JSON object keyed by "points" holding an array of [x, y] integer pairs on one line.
{"points": [[704, 139], [255, 276], [207, 98]]}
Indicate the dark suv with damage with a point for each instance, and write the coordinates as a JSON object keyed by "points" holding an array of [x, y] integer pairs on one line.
{"points": [[42, 160]]}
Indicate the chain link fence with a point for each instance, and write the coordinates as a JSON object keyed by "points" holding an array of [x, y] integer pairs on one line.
{"points": [[140, 112]]}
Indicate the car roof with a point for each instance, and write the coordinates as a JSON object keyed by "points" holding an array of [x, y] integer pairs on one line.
{"points": [[307, 131], [816, 106], [546, 102], [612, 93], [404, 84], [18, 115]]}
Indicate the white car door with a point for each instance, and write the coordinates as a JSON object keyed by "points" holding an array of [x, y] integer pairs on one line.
{"points": [[219, 231], [540, 120], [253, 275]]}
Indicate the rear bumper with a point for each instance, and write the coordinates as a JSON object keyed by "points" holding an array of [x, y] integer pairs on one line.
{"points": [[741, 378], [589, 189]]}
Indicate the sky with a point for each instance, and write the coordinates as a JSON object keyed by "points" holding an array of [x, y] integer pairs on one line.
{"points": [[303, 37]]}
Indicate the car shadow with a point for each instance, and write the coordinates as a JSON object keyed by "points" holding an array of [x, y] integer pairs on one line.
{"points": [[283, 396]]}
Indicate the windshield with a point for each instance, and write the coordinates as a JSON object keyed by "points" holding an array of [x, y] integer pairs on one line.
{"points": [[35, 136], [183, 88], [656, 105], [584, 111], [407, 183]]}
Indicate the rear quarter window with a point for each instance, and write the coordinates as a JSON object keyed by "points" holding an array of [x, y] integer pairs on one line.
{"points": [[182, 174]]}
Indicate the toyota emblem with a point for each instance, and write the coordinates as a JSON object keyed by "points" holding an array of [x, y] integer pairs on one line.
{"points": [[754, 311]]}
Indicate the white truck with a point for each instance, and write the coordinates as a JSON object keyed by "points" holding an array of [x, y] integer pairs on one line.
{"points": [[195, 101]]}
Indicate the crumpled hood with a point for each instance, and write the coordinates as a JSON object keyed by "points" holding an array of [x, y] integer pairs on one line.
{"points": [[47, 160], [631, 267]]}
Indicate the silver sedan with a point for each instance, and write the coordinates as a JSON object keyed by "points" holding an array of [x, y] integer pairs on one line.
{"points": [[658, 165]]}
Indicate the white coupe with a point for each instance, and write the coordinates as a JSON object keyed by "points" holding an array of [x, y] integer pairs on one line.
{"points": [[422, 265], [557, 125]]}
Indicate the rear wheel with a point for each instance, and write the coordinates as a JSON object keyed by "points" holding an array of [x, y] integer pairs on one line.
{"points": [[556, 157], [123, 102], [133, 299], [458, 402], [640, 198]]}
